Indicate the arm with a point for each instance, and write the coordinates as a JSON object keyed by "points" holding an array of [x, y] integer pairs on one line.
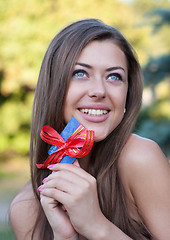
{"points": [[146, 174], [22, 214]]}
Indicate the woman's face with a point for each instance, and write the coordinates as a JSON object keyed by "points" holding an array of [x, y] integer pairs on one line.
{"points": [[97, 92]]}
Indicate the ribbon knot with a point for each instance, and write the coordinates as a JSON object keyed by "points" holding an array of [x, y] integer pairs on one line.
{"points": [[78, 145]]}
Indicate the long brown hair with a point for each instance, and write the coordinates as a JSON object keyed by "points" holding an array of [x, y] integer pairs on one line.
{"points": [[50, 93]]}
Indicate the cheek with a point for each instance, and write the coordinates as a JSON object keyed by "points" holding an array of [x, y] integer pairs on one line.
{"points": [[118, 98]]}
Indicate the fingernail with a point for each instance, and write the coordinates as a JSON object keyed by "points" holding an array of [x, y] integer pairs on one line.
{"points": [[44, 180], [39, 188], [51, 166]]}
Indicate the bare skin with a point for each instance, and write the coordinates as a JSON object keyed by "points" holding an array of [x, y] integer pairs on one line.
{"points": [[145, 175]]}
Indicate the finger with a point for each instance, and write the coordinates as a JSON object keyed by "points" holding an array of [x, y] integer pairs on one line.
{"points": [[55, 195], [57, 216], [69, 181], [47, 201], [65, 181], [60, 183], [76, 163], [70, 167], [68, 173]]}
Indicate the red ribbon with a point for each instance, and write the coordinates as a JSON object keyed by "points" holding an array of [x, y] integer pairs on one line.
{"points": [[78, 145]]}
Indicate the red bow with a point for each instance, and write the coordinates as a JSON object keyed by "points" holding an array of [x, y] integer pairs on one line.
{"points": [[78, 145]]}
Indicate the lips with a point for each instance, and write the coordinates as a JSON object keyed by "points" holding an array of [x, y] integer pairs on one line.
{"points": [[94, 112]]}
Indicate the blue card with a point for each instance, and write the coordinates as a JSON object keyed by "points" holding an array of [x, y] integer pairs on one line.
{"points": [[65, 134]]}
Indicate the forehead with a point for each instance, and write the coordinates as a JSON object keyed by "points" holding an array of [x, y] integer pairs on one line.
{"points": [[103, 52]]}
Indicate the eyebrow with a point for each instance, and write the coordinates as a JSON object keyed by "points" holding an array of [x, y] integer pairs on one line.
{"points": [[108, 69]]}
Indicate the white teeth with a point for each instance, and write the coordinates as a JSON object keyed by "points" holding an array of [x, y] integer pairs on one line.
{"points": [[94, 112]]}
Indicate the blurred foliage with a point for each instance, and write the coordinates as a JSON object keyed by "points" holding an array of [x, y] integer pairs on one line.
{"points": [[7, 233], [154, 120], [27, 27]]}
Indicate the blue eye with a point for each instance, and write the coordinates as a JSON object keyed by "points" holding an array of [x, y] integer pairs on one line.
{"points": [[79, 74], [114, 77]]}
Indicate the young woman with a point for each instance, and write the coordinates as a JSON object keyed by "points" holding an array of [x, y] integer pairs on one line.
{"points": [[120, 190]]}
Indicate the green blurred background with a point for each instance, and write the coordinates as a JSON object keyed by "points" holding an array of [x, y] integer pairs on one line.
{"points": [[27, 27]]}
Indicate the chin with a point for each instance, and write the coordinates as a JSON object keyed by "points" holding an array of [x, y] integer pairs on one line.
{"points": [[99, 138]]}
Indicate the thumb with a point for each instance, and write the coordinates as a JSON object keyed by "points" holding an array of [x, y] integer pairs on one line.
{"points": [[76, 163]]}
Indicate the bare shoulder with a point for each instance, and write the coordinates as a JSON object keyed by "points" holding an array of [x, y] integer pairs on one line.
{"points": [[23, 212], [142, 163], [141, 153], [145, 175]]}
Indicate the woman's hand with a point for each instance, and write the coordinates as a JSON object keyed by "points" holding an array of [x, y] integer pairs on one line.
{"points": [[76, 190], [58, 219]]}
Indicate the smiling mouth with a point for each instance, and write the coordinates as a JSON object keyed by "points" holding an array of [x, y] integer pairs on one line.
{"points": [[94, 112]]}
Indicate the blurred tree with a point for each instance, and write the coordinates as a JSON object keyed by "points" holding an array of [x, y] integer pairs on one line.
{"points": [[158, 68], [155, 122], [146, 5], [164, 17]]}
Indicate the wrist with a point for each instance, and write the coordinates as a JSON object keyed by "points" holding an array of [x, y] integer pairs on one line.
{"points": [[72, 238], [99, 229], [103, 231], [56, 237], [106, 230]]}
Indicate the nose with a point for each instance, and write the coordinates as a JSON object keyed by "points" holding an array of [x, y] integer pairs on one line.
{"points": [[97, 89]]}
